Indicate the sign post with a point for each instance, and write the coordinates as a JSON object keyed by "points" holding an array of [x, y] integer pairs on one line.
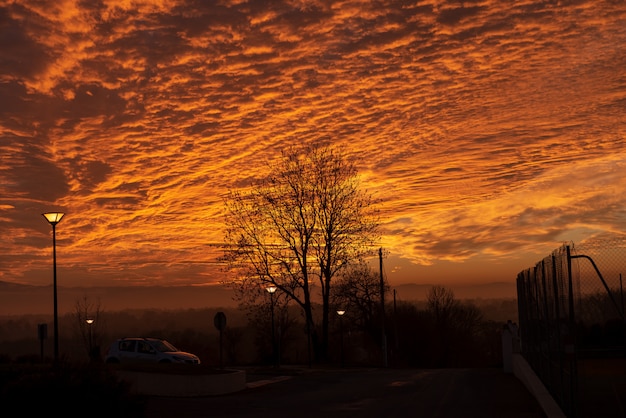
{"points": [[220, 323]]}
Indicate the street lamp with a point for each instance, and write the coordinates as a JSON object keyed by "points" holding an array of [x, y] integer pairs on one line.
{"points": [[54, 218], [341, 312], [89, 322], [271, 290]]}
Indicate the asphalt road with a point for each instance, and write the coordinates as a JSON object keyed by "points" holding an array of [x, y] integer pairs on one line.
{"points": [[364, 393]]}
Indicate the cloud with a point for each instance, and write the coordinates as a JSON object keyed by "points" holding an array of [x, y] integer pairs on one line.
{"points": [[488, 129]]}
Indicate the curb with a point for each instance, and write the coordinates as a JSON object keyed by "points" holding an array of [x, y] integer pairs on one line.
{"points": [[526, 375]]}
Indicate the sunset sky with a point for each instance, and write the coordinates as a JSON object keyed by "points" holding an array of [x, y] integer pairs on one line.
{"points": [[492, 131]]}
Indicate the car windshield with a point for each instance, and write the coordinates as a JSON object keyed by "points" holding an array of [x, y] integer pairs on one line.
{"points": [[163, 346]]}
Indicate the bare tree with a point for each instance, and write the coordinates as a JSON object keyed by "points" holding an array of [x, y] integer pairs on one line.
{"points": [[258, 305], [89, 323], [441, 304], [358, 292], [299, 227], [456, 324]]}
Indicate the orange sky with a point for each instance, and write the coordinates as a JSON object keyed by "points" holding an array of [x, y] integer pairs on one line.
{"points": [[493, 131]]}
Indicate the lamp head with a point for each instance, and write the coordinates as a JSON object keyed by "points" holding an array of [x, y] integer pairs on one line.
{"points": [[271, 289], [341, 312], [53, 217]]}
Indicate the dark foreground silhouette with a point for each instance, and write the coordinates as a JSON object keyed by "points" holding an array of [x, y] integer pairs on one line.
{"points": [[364, 393]]}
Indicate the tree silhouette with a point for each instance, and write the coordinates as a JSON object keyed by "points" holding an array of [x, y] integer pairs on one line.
{"points": [[456, 324], [89, 322], [358, 292], [298, 228]]}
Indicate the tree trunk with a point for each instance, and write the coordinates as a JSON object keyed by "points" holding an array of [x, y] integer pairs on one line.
{"points": [[325, 321]]}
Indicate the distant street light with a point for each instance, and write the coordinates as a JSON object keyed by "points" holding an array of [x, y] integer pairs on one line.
{"points": [[89, 322], [54, 218], [341, 313], [271, 290]]}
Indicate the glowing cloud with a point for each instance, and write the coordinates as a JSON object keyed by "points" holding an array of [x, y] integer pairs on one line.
{"points": [[490, 130]]}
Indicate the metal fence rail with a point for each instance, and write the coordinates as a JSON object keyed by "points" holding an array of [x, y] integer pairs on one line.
{"points": [[571, 310]]}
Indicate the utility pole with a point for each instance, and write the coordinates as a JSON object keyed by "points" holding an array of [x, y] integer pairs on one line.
{"points": [[395, 326], [382, 309]]}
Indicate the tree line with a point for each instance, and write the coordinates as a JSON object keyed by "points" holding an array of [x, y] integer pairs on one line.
{"points": [[441, 331]]}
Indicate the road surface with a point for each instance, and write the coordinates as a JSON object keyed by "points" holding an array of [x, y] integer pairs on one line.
{"points": [[364, 393]]}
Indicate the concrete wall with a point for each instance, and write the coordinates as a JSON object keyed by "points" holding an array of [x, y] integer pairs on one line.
{"points": [[526, 375]]}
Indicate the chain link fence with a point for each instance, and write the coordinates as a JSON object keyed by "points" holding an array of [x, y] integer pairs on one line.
{"points": [[572, 327]]}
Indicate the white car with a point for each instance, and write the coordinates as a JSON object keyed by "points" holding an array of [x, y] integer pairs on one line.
{"points": [[147, 350]]}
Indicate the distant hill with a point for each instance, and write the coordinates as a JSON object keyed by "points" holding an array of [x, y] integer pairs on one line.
{"points": [[494, 290], [17, 299]]}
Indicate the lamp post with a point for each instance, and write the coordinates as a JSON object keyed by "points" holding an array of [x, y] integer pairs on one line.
{"points": [[271, 290], [54, 218], [89, 322], [341, 312]]}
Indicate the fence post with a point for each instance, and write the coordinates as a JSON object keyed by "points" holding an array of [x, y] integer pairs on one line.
{"points": [[571, 344]]}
